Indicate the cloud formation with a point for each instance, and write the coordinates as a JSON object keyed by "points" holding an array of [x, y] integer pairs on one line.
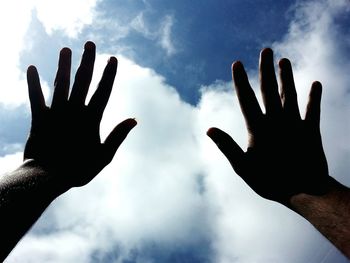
{"points": [[170, 195], [17, 40], [160, 33], [151, 198], [69, 16], [77, 15]]}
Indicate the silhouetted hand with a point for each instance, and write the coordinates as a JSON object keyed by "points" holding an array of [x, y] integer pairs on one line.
{"points": [[285, 154], [63, 150], [64, 138]]}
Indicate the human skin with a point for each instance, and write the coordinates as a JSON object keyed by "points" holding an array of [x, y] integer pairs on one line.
{"points": [[64, 149], [285, 161]]}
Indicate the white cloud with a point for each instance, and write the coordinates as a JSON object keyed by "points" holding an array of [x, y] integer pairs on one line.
{"points": [[152, 193], [138, 24], [10, 162], [161, 33], [315, 47], [149, 194], [66, 15], [12, 79], [166, 40], [248, 228], [15, 17]]}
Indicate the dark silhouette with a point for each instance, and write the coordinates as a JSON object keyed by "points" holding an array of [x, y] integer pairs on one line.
{"points": [[285, 161], [63, 150]]}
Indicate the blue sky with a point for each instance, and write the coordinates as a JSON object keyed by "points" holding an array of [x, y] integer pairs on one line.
{"points": [[205, 37], [169, 195]]}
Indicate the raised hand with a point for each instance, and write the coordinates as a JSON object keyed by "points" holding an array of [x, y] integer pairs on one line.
{"points": [[63, 150], [285, 156], [64, 138]]}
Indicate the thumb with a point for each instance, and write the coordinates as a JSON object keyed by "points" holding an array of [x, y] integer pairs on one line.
{"points": [[117, 136], [228, 147]]}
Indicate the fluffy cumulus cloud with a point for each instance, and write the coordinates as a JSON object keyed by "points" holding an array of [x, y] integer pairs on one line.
{"points": [[316, 45], [170, 195], [69, 16], [149, 202], [135, 24], [15, 20], [18, 14], [11, 44]]}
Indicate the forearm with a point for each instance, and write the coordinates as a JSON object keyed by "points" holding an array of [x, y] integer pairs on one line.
{"points": [[328, 213], [24, 193]]}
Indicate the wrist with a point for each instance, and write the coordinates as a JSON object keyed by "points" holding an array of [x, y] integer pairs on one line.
{"points": [[53, 185], [328, 213], [308, 204]]}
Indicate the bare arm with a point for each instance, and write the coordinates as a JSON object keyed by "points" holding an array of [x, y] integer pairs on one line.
{"points": [[285, 161], [329, 213], [63, 149]]}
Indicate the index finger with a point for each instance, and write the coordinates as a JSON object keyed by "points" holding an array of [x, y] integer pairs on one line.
{"points": [[246, 96], [36, 97]]}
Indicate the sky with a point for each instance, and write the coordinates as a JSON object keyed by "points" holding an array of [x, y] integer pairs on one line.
{"points": [[169, 195]]}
